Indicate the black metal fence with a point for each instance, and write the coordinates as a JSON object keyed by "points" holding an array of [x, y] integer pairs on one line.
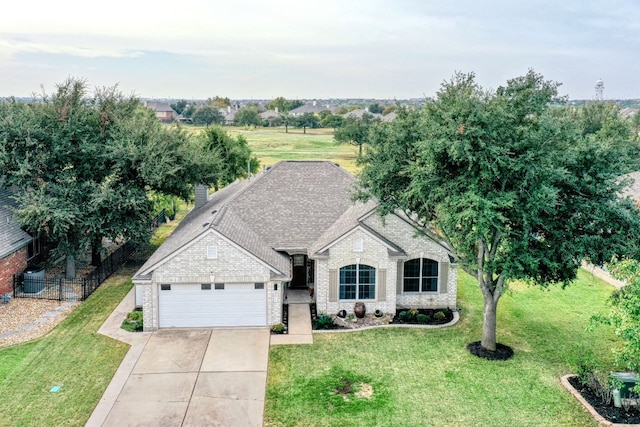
{"points": [[158, 220], [58, 288]]}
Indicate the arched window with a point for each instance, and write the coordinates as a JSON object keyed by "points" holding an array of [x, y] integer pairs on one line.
{"points": [[357, 281], [421, 275]]}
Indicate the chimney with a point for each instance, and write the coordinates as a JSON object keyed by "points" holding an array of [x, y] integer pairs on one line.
{"points": [[201, 195]]}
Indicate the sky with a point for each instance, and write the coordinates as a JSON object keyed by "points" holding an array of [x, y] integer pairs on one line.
{"points": [[301, 49]]}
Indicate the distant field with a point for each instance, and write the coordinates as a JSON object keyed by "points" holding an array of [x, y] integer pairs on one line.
{"points": [[273, 144]]}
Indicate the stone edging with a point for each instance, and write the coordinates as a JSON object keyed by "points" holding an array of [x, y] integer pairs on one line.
{"points": [[599, 418], [456, 318]]}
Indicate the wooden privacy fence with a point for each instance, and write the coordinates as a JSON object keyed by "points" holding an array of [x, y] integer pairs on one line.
{"points": [[58, 288]]}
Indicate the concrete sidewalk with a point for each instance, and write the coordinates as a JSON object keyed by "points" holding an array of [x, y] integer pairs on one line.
{"points": [[137, 340], [300, 331]]}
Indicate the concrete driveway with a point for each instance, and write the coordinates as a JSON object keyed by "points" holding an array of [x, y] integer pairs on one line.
{"points": [[196, 377]]}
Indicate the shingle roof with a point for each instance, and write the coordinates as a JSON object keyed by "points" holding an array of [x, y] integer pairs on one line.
{"points": [[12, 237], [287, 207]]}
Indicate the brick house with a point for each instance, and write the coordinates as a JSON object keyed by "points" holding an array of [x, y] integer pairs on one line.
{"points": [[163, 110], [234, 258], [16, 246]]}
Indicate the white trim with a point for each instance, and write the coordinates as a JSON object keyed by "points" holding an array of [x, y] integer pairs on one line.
{"points": [[186, 246], [353, 230]]}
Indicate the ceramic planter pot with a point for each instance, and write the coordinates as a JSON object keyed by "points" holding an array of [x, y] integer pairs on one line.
{"points": [[359, 310]]}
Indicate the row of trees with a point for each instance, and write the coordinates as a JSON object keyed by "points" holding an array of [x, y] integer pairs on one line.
{"points": [[84, 165], [519, 186]]}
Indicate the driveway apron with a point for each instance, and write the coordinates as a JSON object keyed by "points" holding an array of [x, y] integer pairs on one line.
{"points": [[196, 377]]}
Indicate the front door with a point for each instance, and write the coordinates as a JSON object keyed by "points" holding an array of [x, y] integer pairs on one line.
{"points": [[299, 280]]}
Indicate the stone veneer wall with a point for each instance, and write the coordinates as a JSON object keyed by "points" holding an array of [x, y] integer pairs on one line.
{"points": [[233, 265], [418, 246], [13, 263], [375, 253]]}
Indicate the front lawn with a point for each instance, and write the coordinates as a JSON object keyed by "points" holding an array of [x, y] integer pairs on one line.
{"points": [[426, 377], [73, 356]]}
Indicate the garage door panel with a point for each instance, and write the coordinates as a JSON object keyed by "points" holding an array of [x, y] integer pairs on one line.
{"points": [[238, 304]]}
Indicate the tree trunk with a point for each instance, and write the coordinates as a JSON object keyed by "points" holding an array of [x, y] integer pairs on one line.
{"points": [[304, 129], [96, 258], [286, 128], [359, 151], [489, 323], [71, 267]]}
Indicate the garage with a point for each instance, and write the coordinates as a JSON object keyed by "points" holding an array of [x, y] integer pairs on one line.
{"points": [[211, 305]]}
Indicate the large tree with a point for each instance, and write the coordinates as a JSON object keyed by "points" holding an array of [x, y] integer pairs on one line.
{"points": [[85, 163], [514, 185]]}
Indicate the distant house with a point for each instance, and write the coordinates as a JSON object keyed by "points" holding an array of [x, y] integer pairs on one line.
{"points": [[361, 112], [311, 108], [16, 246], [163, 110]]}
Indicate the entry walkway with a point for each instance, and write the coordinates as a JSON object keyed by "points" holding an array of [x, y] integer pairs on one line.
{"points": [[300, 331]]}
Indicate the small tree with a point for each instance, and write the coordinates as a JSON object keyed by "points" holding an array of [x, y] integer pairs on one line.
{"points": [[248, 116], [356, 131], [307, 120], [207, 115], [625, 312]]}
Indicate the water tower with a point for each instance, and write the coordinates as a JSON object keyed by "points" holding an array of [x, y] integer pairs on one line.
{"points": [[599, 89]]}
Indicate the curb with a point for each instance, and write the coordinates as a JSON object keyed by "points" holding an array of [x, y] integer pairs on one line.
{"points": [[599, 418]]}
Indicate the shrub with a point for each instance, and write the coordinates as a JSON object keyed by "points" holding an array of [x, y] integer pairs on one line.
{"points": [[278, 328], [414, 312], [422, 318], [324, 321], [133, 322], [405, 316], [439, 315]]}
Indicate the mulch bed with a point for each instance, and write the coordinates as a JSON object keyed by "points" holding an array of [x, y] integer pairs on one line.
{"points": [[428, 312], [609, 412], [503, 352]]}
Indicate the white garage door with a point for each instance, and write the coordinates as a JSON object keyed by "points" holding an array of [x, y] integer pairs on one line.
{"points": [[231, 304]]}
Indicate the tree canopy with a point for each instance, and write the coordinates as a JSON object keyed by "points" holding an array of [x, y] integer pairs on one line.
{"points": [[355, 131], [85, 163], [248, 116], [516, 187], [207, 115], [235, 151]]}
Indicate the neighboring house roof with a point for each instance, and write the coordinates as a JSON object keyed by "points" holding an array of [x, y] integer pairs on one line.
{"points": [[361, 112], [159, 107], [389, 117], [269, 114], [12, 237], [310, 108]]}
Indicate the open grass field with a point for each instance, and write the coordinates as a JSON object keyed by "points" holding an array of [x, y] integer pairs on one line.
{"points": [[427, 378], [273, 144]]}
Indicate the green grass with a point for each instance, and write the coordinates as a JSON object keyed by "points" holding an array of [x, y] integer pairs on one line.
{"points": [[426, 377], [271, 145], [72, 356]]}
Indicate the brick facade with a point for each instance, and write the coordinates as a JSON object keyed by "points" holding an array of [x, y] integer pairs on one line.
{"points": [[14, 263], [389, 269], [192, 266]]}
